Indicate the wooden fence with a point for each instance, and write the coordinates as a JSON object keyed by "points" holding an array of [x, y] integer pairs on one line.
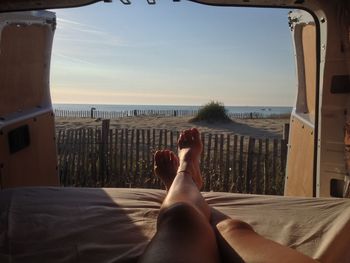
{"points": [[124, 158], [121, 114], [165, 113]]}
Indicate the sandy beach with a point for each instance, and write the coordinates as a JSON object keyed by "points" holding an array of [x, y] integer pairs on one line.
{"points": [[258, 128]]}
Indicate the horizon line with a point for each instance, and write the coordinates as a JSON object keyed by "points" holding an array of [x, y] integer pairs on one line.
{"points": [[178, 105]]}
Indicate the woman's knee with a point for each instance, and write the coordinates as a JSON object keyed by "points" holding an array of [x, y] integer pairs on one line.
{"points": [[179, 214], [229, 225]]}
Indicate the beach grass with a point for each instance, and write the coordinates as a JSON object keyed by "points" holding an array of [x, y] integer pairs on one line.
{"points": [[212, 112]]}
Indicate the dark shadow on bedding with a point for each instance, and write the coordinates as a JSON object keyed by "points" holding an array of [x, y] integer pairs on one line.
{"points": [[76, 224]]}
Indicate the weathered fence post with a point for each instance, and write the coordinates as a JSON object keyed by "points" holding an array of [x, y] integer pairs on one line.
{"points": [[227, 165], [221, 161], [283, 165], [258, 187], [121, 158], [215, 166], [267, 167], [285, 132], [234, 165], [132, 166], [149, 161], [240, 165], [92, 112], [137, 159], [250, 160], [208, 175], [202, 154], [103, 150], [143, 157], [274, 166]]}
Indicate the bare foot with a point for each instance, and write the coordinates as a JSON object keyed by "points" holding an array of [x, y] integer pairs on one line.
{"points": [[190, 148], [166, 164]]}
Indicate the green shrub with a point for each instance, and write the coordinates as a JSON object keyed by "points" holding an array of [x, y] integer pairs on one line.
{"points": [[213, 111]]}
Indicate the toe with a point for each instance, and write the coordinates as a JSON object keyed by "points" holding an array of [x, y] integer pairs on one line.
{"points": [[195, 134], [174, 160], [157, 157], [160, 158], [189, 138], [167, 154], [167, 158], [171, 155], [188, 135], [181, 140]]}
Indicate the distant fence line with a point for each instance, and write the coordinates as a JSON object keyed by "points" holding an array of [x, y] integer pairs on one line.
{"points": [[124, 158], [165, 113], [121, 114]]}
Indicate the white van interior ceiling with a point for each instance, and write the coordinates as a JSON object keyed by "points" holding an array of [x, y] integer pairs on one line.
{"points": [[21, 5]]}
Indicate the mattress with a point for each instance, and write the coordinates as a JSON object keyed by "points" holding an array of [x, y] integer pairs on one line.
{"points": [[115, 225]]}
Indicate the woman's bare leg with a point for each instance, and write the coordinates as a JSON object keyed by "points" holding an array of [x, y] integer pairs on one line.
{"points": [[183, 233], [238, 242], [183, 230], [186, 185], [237, 239]]}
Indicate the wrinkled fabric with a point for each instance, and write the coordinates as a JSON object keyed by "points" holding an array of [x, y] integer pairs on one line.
{"points": [[115, 225]]}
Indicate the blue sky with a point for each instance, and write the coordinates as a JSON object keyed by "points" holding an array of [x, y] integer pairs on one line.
{"points": [[172, 53]]}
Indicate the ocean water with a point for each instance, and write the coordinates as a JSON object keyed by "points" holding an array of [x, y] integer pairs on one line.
{"points": [[268, 110]]}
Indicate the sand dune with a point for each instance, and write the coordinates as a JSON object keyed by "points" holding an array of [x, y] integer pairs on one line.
{"points": [[258, 128]]}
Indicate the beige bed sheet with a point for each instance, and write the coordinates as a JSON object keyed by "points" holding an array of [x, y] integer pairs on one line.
{"points": [[115, 225]]}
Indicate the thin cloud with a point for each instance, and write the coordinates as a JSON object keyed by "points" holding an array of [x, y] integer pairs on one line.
{"points": [[106, 41], [72, 23], [90, 40], [73, 31], [72, 59]]}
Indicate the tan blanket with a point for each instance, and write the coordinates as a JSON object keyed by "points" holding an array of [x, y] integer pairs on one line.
{"points": [[115, 225]]}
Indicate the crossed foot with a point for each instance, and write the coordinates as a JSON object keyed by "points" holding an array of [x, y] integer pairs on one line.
{"points": [[167, 164]]}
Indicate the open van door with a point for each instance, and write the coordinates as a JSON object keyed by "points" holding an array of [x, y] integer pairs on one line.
{"points": [[27, 129], [301, 147]]}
